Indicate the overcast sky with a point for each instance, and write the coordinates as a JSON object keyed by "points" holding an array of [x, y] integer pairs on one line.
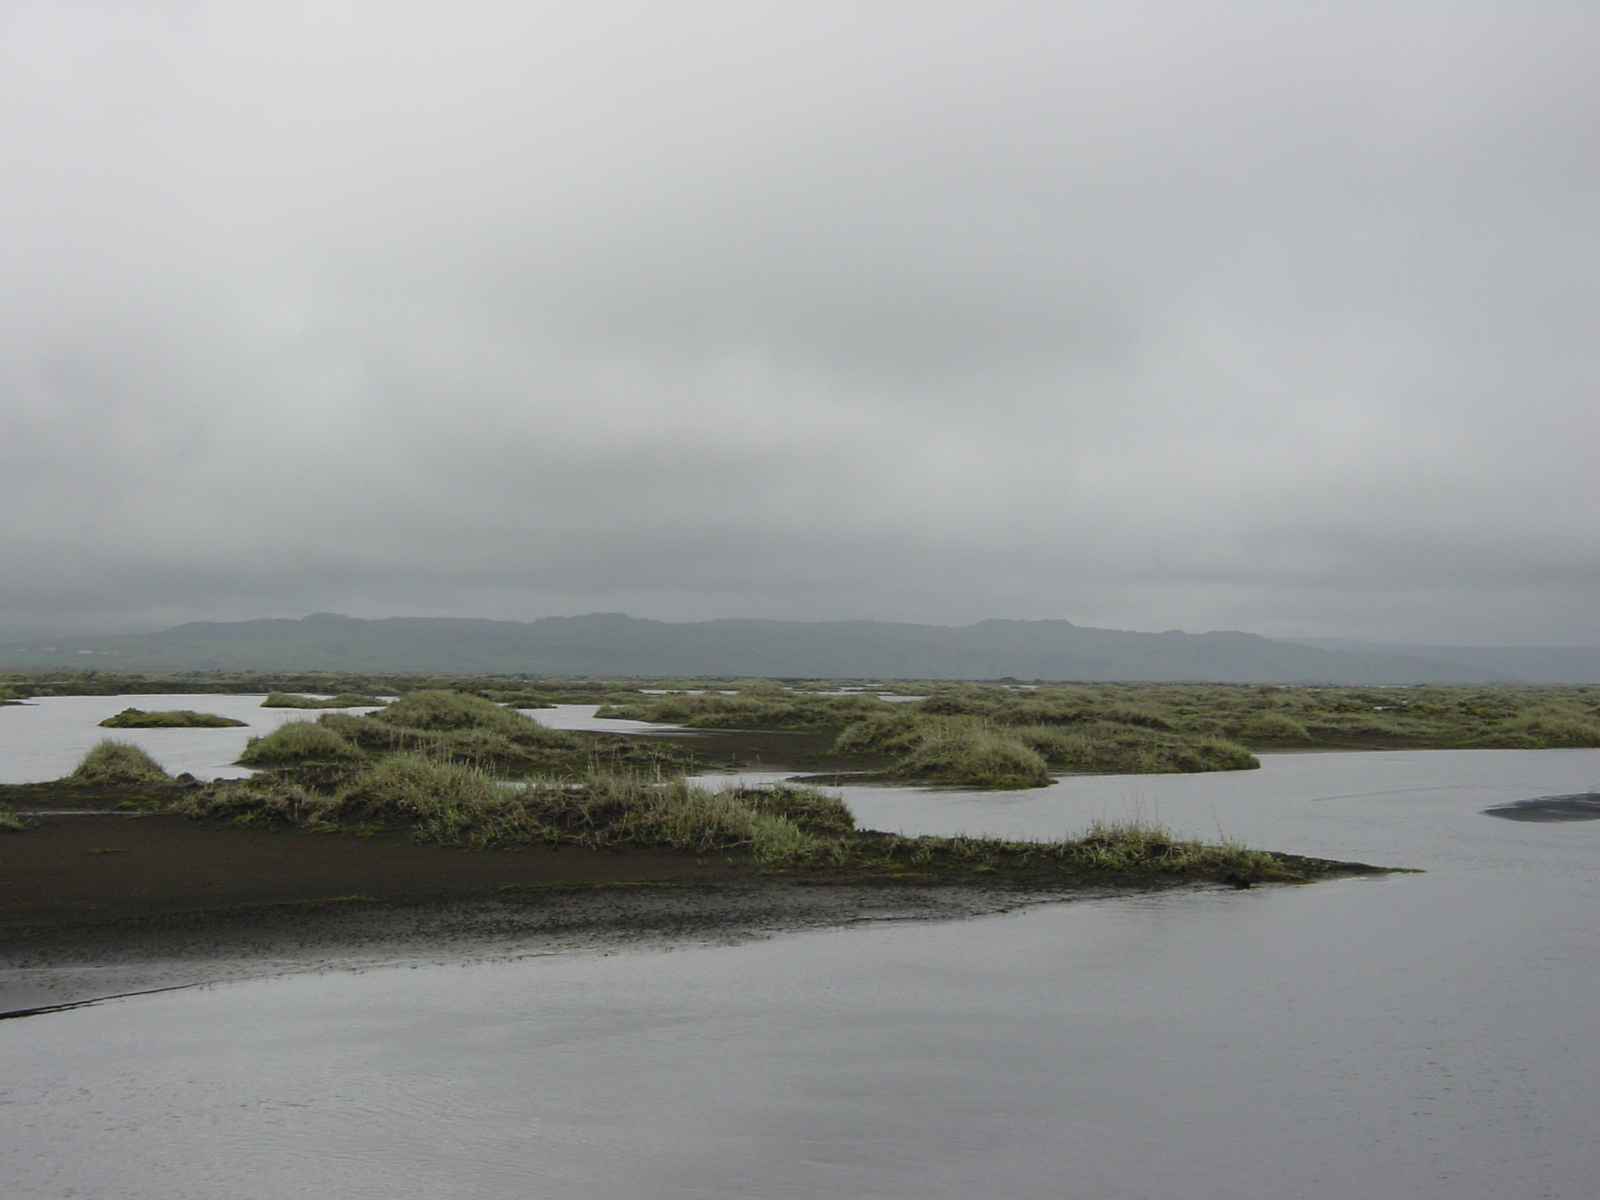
{"points": [[1277, 317]]}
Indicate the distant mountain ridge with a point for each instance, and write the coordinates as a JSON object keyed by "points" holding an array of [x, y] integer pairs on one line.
{"points": [[1570, 665], [615, 644]]}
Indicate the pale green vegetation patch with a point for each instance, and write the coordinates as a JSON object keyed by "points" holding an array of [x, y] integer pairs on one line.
{"points": [[174, 718]]}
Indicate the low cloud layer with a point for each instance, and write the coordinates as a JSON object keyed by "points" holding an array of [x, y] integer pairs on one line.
{"points": [[1262, 316]]}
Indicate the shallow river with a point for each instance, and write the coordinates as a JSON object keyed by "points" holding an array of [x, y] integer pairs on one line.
{"points": [[1427, 1036]]}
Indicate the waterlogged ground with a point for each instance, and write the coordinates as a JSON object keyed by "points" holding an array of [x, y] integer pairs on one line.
{"points": [[1423, 1035]]}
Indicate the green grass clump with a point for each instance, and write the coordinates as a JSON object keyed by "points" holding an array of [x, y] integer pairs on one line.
{"points": [[812, 809], [175, 718], [452, 804], [966, 753], [445, 802], [343, 700], [440, 710], [259, 800], [613, 809], [299, 743], [112, 762], [456, 712]]}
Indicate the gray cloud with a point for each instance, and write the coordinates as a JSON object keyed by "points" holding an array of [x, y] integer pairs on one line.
{"points": [[1233, 315]]}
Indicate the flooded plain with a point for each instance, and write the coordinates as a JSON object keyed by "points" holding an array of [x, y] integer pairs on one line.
{"points": [[1419, 1035]]}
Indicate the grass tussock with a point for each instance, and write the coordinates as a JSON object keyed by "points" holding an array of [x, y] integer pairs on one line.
{"points": [[971, 754], [113, 762], [175, 718], [299, 743]]}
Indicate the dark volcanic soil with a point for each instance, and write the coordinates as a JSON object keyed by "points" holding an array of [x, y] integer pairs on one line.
{"points": [[95, 867]]}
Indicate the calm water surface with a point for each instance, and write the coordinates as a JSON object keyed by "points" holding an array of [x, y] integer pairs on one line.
{"points": [[44, 738], [1425, 1036]]}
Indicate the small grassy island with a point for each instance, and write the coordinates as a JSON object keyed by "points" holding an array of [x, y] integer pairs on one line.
{"points": [[179, 718]]}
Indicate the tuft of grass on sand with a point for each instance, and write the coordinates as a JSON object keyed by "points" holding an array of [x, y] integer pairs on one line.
{"points": [[172, 718], [113, 762]]}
